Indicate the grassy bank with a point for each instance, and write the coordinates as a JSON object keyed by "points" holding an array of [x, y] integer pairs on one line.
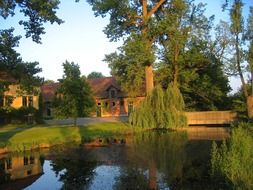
{"points": [[25, 137]]}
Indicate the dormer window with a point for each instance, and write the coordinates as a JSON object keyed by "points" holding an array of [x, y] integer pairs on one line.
{"points": [[24, 101], [113, 94]]}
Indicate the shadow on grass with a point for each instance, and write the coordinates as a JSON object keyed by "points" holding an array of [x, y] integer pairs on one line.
{"points": [[8, 131]]}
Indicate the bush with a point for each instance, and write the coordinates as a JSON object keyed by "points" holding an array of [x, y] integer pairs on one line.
{"points": [[161, 109], [12, 115], [233, 161]]}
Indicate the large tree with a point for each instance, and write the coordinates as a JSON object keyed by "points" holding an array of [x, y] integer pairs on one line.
{"points": [[74, 96], [182, 27], [249, 58], [237, 59], [11, 64], [37, 11], [131, 17], [185, 58], [127, 67]]}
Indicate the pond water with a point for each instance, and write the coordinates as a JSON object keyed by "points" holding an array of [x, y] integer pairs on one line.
{"points": [[151, 160]]}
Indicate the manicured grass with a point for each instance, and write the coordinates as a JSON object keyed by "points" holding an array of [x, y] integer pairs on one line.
{"points": [[105, 130], [23, 137]]}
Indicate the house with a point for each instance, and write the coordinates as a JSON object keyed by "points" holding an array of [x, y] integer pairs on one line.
{"points": [[48, 94], [19, 167], [14, 96], [22, 171], [110, 99]]}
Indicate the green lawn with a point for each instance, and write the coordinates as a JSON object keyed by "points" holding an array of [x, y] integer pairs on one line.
{"points": [[20, 137]]}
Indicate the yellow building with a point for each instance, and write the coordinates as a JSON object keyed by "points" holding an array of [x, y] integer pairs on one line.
{"points": [[16, 98], [19, 167]]}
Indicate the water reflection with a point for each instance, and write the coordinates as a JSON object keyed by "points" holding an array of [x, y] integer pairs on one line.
{"points": [[78, 165], [151, 160], [23, 169]]}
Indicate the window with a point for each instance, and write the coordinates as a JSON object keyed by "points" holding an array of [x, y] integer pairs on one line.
{"points": [[1, 101], [30, 101], [99, 104], [113, 104], [2, 165], [25, 161], [29, 172], [113, 94], [24, 101], [32, 160], [8, 163], [48, 112], [121, 102]]}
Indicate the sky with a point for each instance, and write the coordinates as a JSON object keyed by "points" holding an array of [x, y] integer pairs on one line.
{"points": [[81, 39]]}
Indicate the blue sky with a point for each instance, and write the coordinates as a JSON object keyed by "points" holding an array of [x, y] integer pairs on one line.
{"points": [[81, 39]]}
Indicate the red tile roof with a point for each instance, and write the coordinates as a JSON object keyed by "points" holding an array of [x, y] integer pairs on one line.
{"points": [[100, 87], [48, 91]]}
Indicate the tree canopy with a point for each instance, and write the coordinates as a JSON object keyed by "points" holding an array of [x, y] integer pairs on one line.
{"points": [[11, 63], [74, 97], [128, 18], [238, 58], [94, 75], [38, 12], [181, 54]]}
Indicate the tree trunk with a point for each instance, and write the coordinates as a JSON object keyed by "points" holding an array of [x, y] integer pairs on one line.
{"points": [[152, 175], [176, 67], [250, 106], [176, 72], [238, 64], [149, 79], [146, 15], [251, 81]]}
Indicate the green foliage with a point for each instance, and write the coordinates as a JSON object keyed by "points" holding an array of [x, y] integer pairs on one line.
{"points": [[12, 115], [74, 94], [233, 161], [38, 13], [161, 109], [12, 65], [128, 65], [236, 17], [20, 137], [94, 75], [186, 57], [123, 16], [239, 102], [209, 89], [166, 155], [135, 21]]}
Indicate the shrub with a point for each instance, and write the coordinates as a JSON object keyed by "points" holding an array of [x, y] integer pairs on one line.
{"points": [[12, 115], [233, 161], [161, 109]]}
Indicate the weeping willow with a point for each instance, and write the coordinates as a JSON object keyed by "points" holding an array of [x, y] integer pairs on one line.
{"points": [[160, 109]]}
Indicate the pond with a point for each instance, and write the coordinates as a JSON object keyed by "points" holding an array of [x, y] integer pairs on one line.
{"points": [[151, 160]]}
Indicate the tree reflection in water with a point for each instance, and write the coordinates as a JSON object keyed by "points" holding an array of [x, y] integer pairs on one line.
{"points": [[149, 160], [75, 168], [153, 154]]}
